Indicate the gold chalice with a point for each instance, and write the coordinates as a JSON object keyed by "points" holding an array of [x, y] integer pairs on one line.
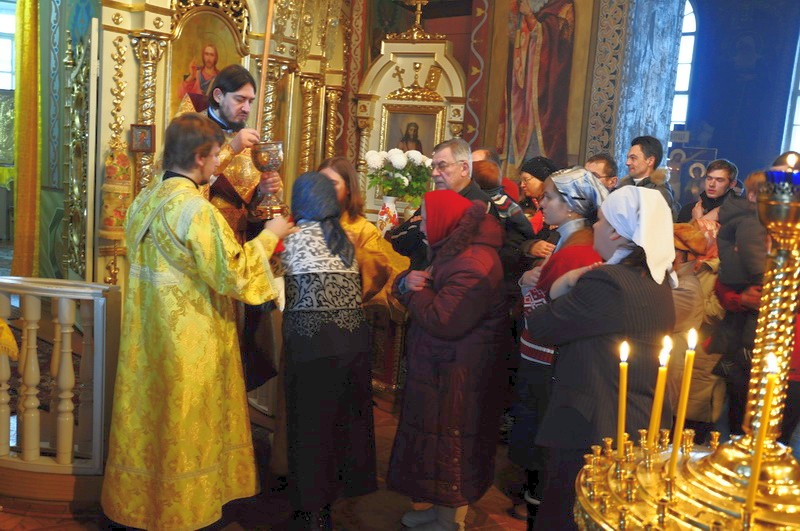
{"points": [[268, 156]]}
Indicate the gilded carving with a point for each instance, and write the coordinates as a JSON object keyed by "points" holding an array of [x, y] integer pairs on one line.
{"points": [[116, 18], [305, 33], [275, 73], [77, 139], [148, 49], [234, 10], [309, 87], [117, 93], [414, 92], [158, 22], [456, 128], [608, 62], [333, 129]]}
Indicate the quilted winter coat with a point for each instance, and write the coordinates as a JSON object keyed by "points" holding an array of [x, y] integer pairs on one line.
{"points": [[446, 440]]}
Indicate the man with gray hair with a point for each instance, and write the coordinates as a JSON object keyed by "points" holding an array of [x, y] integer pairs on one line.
{"points": [[452, 170]]}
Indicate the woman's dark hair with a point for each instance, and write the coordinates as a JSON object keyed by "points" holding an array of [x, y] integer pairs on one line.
{"points": [[353, 202], [188, 135], [314, 199]]}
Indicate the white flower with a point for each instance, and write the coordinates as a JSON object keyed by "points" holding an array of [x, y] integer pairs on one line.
{"points": [[402, 178], [398, 159], [427, 161], [415, 156], [374, 160]]}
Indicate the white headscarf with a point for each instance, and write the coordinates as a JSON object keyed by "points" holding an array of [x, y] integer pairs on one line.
{"points": [[642, 216]]}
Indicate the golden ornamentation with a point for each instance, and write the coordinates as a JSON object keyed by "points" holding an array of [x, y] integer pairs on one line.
{"points": [[76, 134], [414, 92], [274, 75], [309, 87], [148, 49], [158, 22], [234, 10], [116, 18], [286, 13], [434, 75], [117, 93], [333, 126], [415, 32], [709, 489], [456, 128], [305, 30]]}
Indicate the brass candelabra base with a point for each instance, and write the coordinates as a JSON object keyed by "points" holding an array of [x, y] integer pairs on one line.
{"points": [[708, 491]]}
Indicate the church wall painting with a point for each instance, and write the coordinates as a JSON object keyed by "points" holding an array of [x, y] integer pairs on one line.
{"points": [[205, 43], [398, 120], [534, 115]]}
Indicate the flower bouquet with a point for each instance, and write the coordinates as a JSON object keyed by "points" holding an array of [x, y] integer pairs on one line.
{"points": [[406, 176]]}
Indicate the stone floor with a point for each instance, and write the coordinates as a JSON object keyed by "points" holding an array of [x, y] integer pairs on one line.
{"points": [[379, 511]]}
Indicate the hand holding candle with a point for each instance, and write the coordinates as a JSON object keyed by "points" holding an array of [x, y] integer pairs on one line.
{"points": [[624, 350], [683, 401], [658, 397], [766, 411]]}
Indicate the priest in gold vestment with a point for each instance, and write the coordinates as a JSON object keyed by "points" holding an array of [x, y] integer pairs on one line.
{"points": [[180, 445]]}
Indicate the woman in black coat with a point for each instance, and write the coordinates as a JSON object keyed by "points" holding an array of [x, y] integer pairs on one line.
{"points": [[629, 298]]}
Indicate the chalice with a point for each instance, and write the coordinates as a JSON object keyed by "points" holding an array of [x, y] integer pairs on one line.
{"points": [[268, 156]]}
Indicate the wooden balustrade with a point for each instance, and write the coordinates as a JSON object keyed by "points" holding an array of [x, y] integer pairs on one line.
{"points": [[85, 323]]}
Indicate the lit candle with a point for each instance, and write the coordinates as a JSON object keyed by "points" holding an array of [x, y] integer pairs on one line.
{"points": [[683, 401], [624, 350], [766, 410], [658, 398]]}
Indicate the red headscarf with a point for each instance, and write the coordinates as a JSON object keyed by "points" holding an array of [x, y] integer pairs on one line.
{"points": [[443, 210]]}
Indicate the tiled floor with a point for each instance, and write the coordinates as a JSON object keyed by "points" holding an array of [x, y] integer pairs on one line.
{"points": [[379, 511]]}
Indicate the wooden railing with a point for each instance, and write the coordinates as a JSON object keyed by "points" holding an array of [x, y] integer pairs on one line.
{"points": [[82, 321]]}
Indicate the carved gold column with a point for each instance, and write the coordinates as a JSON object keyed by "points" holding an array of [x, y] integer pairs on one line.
{"points": [[365, 126], [274, 75], [148, 49], [309, 88], [333, 129]]}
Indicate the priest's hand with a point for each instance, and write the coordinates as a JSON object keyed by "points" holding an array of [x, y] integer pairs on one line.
{"points": [[271, 183], [280, 226], [244, 139]]}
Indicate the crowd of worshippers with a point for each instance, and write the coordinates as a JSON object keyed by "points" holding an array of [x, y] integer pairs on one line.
{"points": [[517, 300]]}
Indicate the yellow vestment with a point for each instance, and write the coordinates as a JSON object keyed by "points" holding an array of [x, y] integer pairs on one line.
{"points": [[180, 444], [378, 262]]}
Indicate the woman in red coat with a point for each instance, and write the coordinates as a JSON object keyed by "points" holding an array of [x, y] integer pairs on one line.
{"points": [[446, 441]]}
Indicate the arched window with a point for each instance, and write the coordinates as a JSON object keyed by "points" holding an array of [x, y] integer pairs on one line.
{"points": [[680, 102], [791, 139]]}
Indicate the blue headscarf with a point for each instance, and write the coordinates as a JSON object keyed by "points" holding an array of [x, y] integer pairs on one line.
{"points": [[314, 199]]}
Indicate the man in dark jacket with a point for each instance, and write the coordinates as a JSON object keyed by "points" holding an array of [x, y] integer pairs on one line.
{"points": [[452, 170], [644, 156], [720, 185]]}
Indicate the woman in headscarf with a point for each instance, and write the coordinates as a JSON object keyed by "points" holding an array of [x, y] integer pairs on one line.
{"points": [[570, 202], [446, 440], [628, 299], [326, 341], [377, 260]]}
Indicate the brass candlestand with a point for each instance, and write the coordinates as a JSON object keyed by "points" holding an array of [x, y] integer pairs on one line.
{"points": [[708, 490]]}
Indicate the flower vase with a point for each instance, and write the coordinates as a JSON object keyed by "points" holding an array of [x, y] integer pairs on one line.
{"points": [[387, 216]]}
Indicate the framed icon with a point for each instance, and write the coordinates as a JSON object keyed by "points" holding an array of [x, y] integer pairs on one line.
{"points": [[143, 138]]}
